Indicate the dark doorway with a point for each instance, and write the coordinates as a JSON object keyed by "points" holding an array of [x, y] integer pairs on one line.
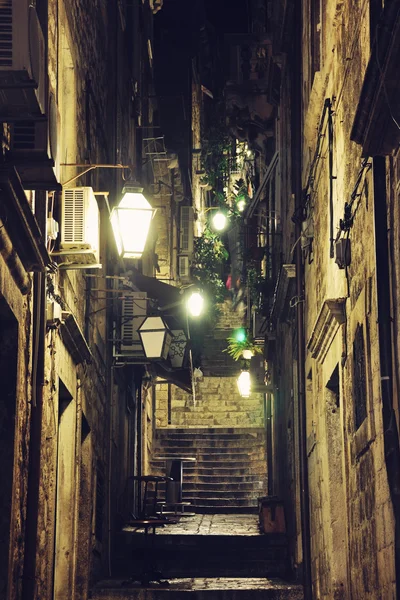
{"points": [[8, 378]]}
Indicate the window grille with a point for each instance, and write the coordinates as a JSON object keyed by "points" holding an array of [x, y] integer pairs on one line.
{"points": [[359, 378], [100, 496]]}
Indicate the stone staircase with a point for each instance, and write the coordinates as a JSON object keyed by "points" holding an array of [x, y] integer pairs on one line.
{"points": [[229, 474]]}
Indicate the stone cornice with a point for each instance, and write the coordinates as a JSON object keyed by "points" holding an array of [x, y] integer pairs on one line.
{"points": [[330, 318]]}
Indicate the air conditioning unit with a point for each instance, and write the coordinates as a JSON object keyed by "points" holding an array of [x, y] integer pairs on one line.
{"points": [[183, 267], [134, 312], [80, 228], [22, 62], [186, 229], [33, 150]]}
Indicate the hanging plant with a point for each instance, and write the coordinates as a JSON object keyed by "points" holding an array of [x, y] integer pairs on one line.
{"points": [[236, 348]]}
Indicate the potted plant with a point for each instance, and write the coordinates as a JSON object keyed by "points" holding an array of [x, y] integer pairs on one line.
{"points": [[239, 348]]}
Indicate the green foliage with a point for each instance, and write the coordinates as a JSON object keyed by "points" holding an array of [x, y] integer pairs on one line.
{"points": [[215, 148], [209, 257], [235, 348]]}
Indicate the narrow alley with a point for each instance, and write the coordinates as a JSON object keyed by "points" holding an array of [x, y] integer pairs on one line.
{"points": [[199, 299]]}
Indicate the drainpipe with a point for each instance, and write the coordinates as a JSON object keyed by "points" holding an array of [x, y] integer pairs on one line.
{"points": [[268, 426], [390, 431], [32, 508], [139, 440], [297, 76]]}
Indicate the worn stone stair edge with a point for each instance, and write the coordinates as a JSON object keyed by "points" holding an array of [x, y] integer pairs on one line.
{"points": [[217, 588], [217, 430]]}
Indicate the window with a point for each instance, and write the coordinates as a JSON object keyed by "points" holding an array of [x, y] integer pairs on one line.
{"points": [[315, 36], [100, 498], [359, 378]]}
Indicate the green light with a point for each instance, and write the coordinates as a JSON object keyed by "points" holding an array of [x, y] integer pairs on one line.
{"points": [[240, 335]]}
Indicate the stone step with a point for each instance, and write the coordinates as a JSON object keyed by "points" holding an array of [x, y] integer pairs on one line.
{"points": [[210, 433], [201, 589], [203, 555], [218, 462], [217, 468], [226, 495], [223, 407], [228, 462], [194, 482], [159, 452], [230, 432], [216, 454], [245, 509], [184, 415], [194, 486], [179, 444], [234, 471], [233, 479], [229, 501]]}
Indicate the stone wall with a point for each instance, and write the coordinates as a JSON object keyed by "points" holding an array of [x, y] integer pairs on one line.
{"points": [[15, 407], [352, 527]]}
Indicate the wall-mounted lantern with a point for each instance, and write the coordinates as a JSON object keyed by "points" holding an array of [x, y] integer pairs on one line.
{"points": [[131, 221], [155, 337]]}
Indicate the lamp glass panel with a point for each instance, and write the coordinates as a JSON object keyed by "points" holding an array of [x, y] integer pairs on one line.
{"points": [[156, 337], [153, 342], [131, 223], [116, 230], [244, 384], [134, 228]]}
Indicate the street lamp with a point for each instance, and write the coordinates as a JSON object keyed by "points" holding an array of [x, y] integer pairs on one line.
{"points": [[155, 337], [244, 384], [195, 304], [130, 221], [219, 221]]}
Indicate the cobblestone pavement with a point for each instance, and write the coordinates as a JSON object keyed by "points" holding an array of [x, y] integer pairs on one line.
{"points": [[235, 524]]}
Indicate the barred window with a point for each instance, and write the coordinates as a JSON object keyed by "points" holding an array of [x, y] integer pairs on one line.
{"points": [[359, 378], [100, 497], [315, 36]]}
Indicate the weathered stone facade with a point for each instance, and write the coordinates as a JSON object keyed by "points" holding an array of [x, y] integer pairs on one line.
{"points": [[352, 520], [68, 414]]}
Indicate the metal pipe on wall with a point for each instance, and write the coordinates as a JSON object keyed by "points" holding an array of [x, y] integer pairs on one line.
{"points": [[297, 76], [32, 505], [38, 378], [390, 430]]}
